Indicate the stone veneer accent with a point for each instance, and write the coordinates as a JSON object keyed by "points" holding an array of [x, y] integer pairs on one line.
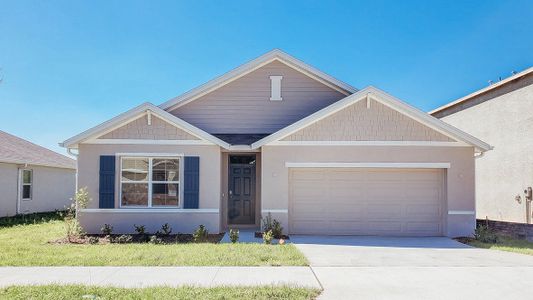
{"points": [[520, 230]]}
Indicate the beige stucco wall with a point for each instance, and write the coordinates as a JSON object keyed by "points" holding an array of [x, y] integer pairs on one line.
{"points": [[506, 122], [53, 189], [157, 130], [8, 189], [244, 106], [358, 122], [460, 177], [88, 162]]}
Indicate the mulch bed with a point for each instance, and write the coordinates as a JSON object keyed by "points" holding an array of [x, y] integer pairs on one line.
{"points": [[259, 234], [136, 239]]}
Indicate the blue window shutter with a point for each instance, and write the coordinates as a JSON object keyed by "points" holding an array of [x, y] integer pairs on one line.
{"points": [[107, 181], [191, 182]]}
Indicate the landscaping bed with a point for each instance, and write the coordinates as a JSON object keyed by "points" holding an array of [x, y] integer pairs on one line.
{"points": [[25, 241], [102, 239], [91, 292]]}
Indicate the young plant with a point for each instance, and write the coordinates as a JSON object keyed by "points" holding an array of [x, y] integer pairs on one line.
{"points": [[72, 226], [200, 234], [485, 235], [124, 239], [267, 237], [107, 229], [140, 229], [270, 224], [155, 240], [166, 229], [234, 235]]}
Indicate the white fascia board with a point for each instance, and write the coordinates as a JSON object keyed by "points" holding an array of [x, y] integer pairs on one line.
{"points": [[387, 100], [133, 114], [483, 90], [370, 143], [145, 142], [388, 165], [251, 66]]}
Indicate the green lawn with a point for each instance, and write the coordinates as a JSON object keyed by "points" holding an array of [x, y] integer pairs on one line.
{"points": [[505, 243], [27, 244], [58, 292]]}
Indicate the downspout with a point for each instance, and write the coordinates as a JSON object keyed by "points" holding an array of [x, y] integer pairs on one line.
{"points": [[69, 151]]}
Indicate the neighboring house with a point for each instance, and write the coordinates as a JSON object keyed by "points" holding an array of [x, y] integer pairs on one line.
{"points": [[278, 136], [500, 113], [33, 178]]}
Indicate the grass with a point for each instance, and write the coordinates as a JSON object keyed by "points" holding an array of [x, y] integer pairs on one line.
{"points": [[58, 292], [25, 242], [505, 243]]}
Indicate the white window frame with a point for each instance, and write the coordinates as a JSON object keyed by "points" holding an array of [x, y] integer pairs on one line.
{"points": [[150, 182], [22, 184]]}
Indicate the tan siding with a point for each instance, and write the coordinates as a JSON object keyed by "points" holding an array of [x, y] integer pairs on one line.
{"points": [[506, 122], [244, 106], [158, 130], [359, 123]]}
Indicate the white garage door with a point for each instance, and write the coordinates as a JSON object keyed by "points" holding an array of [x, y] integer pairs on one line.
{"points": [[355, 201]]}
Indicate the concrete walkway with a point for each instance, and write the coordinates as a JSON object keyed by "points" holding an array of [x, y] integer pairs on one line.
{"points": [[158, 276]]}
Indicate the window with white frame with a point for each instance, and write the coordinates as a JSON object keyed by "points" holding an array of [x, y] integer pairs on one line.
{"points": [[150, 182], [27, 184]]}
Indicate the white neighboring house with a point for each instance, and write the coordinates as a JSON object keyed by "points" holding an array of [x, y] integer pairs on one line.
{"points": [[33, 178]]}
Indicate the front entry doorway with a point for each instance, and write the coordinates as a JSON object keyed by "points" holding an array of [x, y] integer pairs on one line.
{"points": [[241, 189]]}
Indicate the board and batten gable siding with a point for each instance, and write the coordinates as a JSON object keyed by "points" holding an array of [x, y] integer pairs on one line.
{"points": [[244, 106], [358, 122], [158, 130]]}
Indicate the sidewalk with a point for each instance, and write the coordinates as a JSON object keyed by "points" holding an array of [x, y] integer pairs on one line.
{"points": [[157, 276]]}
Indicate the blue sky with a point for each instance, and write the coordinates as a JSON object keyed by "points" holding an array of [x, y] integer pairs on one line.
{"points": [[70, 65]]}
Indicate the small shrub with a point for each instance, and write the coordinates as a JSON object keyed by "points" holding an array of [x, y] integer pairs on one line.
{"points": [[485, 235], [155, 240], [277, 230], [124, 239], [166, 229], [72, 226], [234, 235], [200, 234], [267, 237], [107, 229], [270, 224], [140, 229], [94, 240]]}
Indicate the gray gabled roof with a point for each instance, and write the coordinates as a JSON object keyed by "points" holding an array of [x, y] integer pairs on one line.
{"points": [[19, 151]]}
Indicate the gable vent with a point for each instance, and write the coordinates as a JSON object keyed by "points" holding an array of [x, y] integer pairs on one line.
{"points": [[275, 88]]}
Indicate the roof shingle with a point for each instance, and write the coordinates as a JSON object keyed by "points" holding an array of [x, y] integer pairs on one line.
{"points": [[19, 151]]}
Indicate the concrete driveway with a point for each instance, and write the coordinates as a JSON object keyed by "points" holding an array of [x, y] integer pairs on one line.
{"points": [[414, 268]]}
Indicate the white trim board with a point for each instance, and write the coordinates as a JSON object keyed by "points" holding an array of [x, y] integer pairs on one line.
{"points": [[369, 143], [387, 165], [275, 211], [253, 65], [149, 210], [386, 99], [461, 212], [146, 142]]}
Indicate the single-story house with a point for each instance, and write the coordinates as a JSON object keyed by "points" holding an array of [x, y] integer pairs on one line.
{"points": [[500, 113], [278, 136], [33, 178]]}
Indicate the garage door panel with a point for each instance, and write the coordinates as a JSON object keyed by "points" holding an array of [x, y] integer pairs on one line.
{"points": [[400, 202]]}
